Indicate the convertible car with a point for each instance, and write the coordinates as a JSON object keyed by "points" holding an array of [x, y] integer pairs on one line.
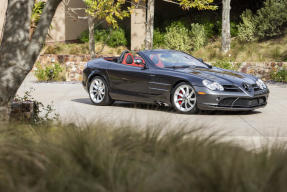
{"points": [[171, 78]]}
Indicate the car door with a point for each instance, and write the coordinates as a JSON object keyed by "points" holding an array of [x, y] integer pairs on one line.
{"points": [[128, 83]]}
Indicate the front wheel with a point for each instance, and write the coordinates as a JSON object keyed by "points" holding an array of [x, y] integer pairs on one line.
{"points": [[99, 92], [184, 99]]}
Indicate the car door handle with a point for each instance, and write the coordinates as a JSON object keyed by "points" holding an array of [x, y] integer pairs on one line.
{"points": [[152, 75]]}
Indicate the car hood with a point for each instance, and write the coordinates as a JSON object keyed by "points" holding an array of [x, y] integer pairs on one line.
{"points": [[223, 76]]}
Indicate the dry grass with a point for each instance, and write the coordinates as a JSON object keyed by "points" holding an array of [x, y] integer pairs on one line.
{"points": [[81, 48], [104, 158], [270, 50]]}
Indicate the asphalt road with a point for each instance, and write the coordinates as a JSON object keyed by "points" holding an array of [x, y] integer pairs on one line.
{"points": [[253, 129]]}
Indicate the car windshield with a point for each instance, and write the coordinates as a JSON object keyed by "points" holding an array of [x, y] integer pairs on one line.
{"points": [[168, 59]]}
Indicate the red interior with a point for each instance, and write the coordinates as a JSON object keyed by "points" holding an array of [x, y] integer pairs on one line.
{"points": [[156, 59], [133, 64]]}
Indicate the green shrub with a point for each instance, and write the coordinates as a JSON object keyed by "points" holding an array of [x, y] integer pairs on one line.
{"points": [[99, 157], [209, 28], [246, 29], [269, 21], [158, 39], [225, 64], [233, 29], [279, 75], [271, 18], [178, 37], [112, 37], [53, 72], [115, 38], [198, 36]]}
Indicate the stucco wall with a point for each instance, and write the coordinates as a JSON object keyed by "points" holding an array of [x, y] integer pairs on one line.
{"points": [[74, 27], [3, 7], [138, 29]]}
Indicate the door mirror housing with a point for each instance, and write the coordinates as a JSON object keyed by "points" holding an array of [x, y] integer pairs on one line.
{"points": [[139, 62], [200, 59]]}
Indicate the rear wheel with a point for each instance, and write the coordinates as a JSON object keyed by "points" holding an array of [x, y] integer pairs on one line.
{"points": [[184, 99], [99, 92]]}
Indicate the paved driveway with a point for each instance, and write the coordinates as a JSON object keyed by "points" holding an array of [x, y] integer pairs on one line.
{"points": [[72, 103]]}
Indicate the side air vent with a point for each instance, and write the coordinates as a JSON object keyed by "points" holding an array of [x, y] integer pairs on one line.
{"points": [[231, 88]]}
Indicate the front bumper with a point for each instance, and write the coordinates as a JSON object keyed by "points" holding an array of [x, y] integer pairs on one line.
{"points": [[231, 101]]}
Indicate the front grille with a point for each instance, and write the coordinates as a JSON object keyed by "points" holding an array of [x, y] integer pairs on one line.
{"points": [[242, 102], [231, 88]]}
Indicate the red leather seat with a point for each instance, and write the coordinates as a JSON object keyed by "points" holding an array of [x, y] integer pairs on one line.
{"points": [[129, 60]]}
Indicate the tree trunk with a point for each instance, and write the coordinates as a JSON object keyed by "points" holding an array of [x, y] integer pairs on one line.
{"points": [[17, 52], [91, 23], [226, 38], [149, 25]]}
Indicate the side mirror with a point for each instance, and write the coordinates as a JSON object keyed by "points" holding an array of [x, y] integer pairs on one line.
{"points": [[139, 62], [200, 59]]}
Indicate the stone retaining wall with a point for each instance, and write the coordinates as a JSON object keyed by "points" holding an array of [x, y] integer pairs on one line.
{"points": [[261, 69], [74, 65]]}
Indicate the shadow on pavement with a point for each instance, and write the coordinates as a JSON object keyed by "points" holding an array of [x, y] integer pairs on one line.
{"points": [[164, 108]]}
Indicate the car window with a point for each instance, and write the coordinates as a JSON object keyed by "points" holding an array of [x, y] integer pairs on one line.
{"points": [[174, 59]]}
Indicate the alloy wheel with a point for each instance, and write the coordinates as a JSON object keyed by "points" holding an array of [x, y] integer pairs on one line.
{"points": [[184, 98], [97, 90]]}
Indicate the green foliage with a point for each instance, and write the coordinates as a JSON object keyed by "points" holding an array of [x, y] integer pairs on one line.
{"points": [[269, 21], [102, 158], [117, 38], [225, 64], [198, 36], [158, 39], [247, 28], [110, 10], [279, 75], [178, 37], [37, 12], [199, 4], [42, 114], [52, 72], [209, 28], [111, 37], [233, 29], [271, 18]]}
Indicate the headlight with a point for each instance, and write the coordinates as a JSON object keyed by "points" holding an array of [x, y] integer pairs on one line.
{"points": [[261, 84], [212, 85], [86, 65]]}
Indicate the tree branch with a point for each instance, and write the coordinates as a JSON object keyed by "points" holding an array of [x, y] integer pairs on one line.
{"points": [[39, 37]]}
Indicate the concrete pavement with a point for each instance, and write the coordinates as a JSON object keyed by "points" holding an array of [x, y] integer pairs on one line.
{"points": [[71, 101]]}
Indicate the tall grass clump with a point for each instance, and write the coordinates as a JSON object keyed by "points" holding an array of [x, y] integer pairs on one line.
{"points": [[57, 157]]}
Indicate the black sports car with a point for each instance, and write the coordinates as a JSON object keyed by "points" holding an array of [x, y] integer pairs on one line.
{"points": [[171, 78]]}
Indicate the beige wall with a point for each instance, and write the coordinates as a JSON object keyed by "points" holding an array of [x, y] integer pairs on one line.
{"points": [[3, 7], [138, 29], [74, 27]]}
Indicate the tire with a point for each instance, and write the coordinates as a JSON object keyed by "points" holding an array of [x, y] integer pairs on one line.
{"points": [[99, 92], [184, 99]]}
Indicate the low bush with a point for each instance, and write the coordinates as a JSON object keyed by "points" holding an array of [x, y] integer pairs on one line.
{"points": [[41, 114], [178, 37], [247, 28], [225, 64], [52, 72], [102, 158], [269, 21], [279, 75], [158, 39], [111, 37], [198, 36]]}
